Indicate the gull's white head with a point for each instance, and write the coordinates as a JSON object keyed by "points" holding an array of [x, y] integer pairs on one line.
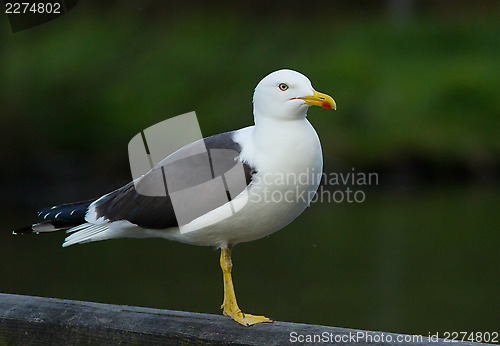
{"points": [[286, 95]]}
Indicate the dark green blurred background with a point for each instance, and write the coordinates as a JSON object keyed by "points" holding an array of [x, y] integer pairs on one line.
{"points": [[417, 86]]}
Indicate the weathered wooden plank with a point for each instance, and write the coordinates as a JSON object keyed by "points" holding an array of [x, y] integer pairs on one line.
{"points": [[27, 320]]}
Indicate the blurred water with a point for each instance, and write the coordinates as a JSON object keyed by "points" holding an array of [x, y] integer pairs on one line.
{"points": [[417, 262]]}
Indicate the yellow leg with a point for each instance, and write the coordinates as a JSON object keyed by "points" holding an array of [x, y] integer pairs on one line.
{"points": [[230, 306]]}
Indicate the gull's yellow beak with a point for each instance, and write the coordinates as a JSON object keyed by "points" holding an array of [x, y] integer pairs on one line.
{"points": [[319, 99]]}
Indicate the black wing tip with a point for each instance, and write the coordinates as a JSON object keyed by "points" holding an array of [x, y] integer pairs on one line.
{"points": [[58, 217], [24, 230]]}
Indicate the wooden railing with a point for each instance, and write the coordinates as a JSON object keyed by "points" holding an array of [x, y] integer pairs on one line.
{"points": [[27, 320]]}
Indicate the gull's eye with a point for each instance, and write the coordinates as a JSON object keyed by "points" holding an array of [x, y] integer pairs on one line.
{"points": [[283, 86]]}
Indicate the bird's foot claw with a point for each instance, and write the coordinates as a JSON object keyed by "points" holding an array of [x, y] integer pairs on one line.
{"points": [[246, 319]]}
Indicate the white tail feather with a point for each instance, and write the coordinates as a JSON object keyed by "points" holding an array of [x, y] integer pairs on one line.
{"points": [[83, 233]]}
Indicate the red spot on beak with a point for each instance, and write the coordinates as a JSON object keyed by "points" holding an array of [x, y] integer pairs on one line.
{"points": [[326, 105]]}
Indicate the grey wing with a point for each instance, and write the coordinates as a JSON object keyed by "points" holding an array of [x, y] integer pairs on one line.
{"points": [[152, 201]]}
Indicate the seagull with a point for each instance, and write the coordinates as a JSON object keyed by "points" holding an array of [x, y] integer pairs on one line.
{"points": [[281, 160]]}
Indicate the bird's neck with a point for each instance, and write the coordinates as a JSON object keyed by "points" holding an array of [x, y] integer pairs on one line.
{"points": [[272, 132], [267, 126], [291, 145]]}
